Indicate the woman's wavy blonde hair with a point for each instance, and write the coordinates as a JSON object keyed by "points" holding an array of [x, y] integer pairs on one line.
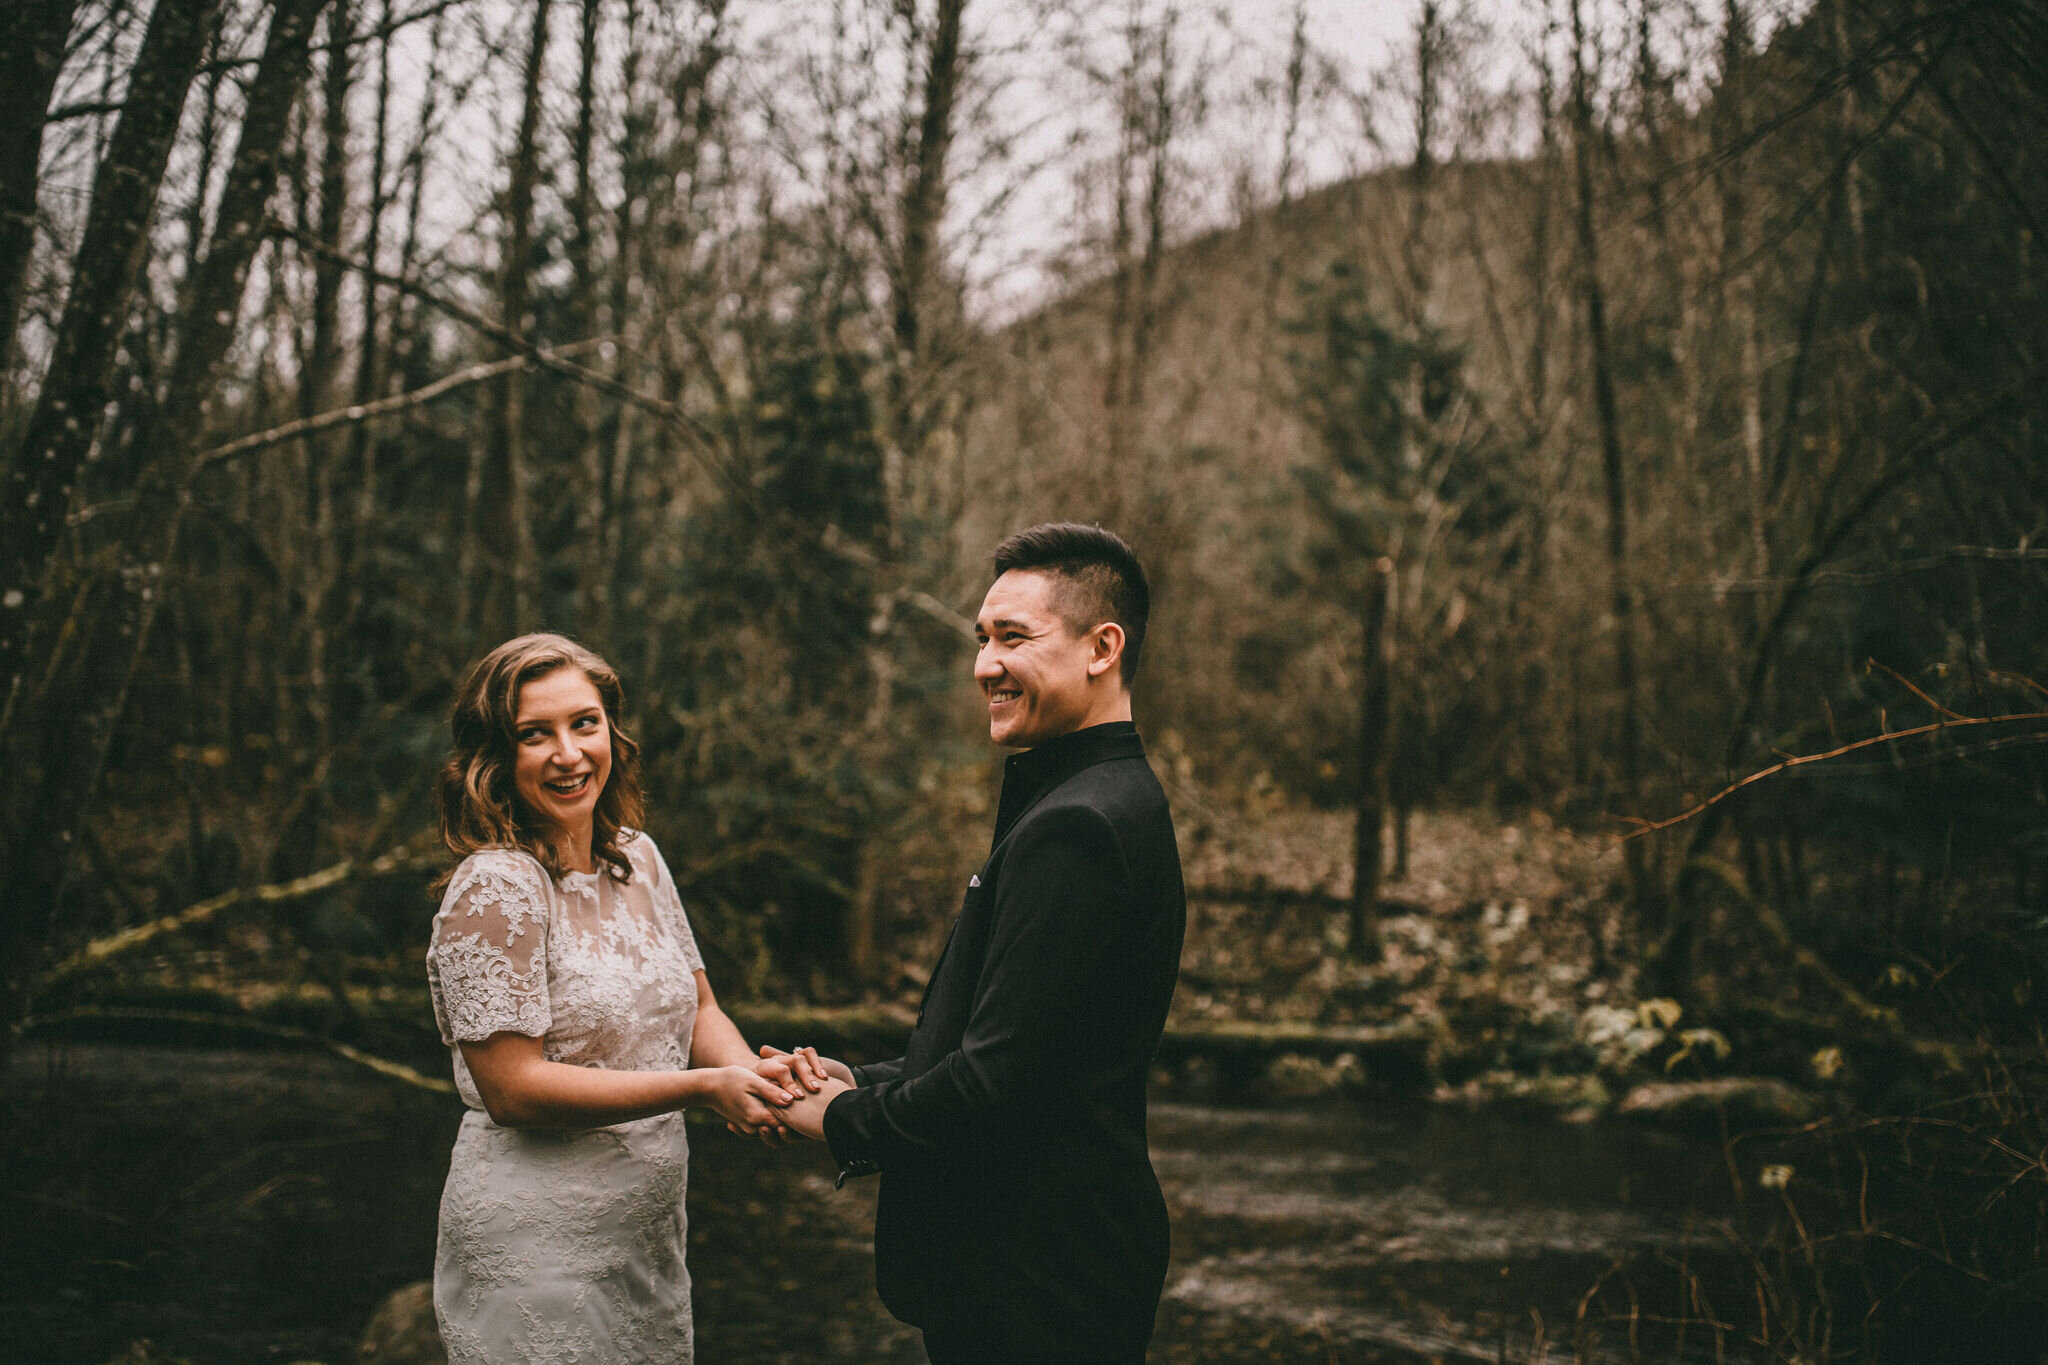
{"points": [[479, 806]]}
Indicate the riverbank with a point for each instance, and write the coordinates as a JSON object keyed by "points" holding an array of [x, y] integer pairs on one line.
{"points": [[236, 1207], [1503, 975], [1501, 1025]]}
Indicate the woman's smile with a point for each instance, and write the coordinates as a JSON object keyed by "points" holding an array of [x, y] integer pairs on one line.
{"points": [[562, 755]]}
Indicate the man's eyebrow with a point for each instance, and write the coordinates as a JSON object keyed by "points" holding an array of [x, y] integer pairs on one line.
{"points": [[1002, 621]]}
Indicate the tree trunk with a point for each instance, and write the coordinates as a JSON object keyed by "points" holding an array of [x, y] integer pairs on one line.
{"points": [[1430, 41], [408, 356], [1606, 406], [923, 211], [32, 35], [208, 136], [104, 278], [592, 594], [1741, 276], [299, 844], [369, 382], [635, 186], [508, 492], [207, 317], [1374, 764]]}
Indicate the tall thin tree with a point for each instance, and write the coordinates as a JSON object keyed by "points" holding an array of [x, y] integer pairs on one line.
{"points": [[104, 277]]}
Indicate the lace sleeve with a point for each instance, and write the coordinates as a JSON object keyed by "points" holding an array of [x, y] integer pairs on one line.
{"points": [[668, 902], [488, 964]]}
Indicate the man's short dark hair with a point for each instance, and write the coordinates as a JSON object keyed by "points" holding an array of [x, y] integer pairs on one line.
{"points": [[1099, 578]]}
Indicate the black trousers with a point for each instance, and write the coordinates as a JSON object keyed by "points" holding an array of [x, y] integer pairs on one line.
{"points": [[944, 1348]]}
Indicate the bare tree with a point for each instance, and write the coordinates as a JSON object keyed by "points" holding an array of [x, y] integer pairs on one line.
{"points": [[1607, 408], [106, 661], [1154, 111], [507, 486], [911, 247], [107, 271], [32, 36]]}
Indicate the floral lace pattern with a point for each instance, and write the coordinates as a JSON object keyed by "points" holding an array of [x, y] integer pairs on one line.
{"points": [[565, 1246]]}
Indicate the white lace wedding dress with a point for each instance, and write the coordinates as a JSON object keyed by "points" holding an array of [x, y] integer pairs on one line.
{"points": [[565, 1247]]}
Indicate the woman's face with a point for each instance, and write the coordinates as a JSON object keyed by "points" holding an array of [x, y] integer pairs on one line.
{"points": [[562, 750]]}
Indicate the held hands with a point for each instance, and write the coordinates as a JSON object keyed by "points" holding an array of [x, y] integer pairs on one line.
{"points": [[807, 1115], [749, 1102], [803, 1076], [805, 1067]]}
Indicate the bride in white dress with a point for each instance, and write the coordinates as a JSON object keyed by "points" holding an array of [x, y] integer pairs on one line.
{"points": [[568, 985]]}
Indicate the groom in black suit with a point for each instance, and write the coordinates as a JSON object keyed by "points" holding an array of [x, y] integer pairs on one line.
{"points": [[1019, 1217]]}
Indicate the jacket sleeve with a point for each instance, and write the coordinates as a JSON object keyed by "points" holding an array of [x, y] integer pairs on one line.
{"points": [[1063, 886], [874, 1073]]}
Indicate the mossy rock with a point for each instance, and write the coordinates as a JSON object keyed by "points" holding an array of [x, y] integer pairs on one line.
{"points": [[404, 1332]]}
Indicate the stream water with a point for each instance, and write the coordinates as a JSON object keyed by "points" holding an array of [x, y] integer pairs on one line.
{"points": [[237, 1207]]}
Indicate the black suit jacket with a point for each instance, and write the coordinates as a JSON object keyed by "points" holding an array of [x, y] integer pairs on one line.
{"points": [[1018, 1202]]}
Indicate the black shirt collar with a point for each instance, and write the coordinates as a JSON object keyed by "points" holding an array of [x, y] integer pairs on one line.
{"points": [[1034, 772]]}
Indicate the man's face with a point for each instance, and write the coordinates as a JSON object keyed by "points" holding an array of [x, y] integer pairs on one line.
{"points": [[1032, 666]]}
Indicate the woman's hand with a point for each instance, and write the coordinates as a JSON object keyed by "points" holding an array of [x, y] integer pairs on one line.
{"points": [[746, 1100], [802, 1071]]}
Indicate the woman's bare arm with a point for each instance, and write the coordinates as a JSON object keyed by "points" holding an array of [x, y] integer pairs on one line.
{"points": [[716, 1040], [522, 1089]]}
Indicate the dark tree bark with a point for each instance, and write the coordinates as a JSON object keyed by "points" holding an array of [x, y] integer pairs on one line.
{"points": [[32, 34], [924, 210], [104, 277], [408, 355], [593, 597], [506, 489], [210, 311], [208, 136], [299, 847], [369, 376]]}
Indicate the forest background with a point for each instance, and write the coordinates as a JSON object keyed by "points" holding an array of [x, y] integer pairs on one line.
{"points": [[1579, 409]]}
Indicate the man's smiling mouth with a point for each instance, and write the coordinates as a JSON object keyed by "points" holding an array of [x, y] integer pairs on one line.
{"points": [[1003, 695]]}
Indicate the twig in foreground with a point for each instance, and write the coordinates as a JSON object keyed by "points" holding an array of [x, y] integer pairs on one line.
{"points": [[1644, 826]]}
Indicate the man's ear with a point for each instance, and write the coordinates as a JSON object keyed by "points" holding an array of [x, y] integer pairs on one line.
{"points": [[1108, 651]]}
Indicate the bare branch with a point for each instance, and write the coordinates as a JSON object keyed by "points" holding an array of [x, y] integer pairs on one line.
{"points": [[102, 950], [361, 412], [383, 1066], [1644, 826]]}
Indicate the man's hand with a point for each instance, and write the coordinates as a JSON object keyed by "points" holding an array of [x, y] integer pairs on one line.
{"points": [[807, 1115], [801, 1068]]}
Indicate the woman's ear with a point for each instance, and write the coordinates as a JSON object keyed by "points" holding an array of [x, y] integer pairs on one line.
{"points": [[1108, 652]]}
